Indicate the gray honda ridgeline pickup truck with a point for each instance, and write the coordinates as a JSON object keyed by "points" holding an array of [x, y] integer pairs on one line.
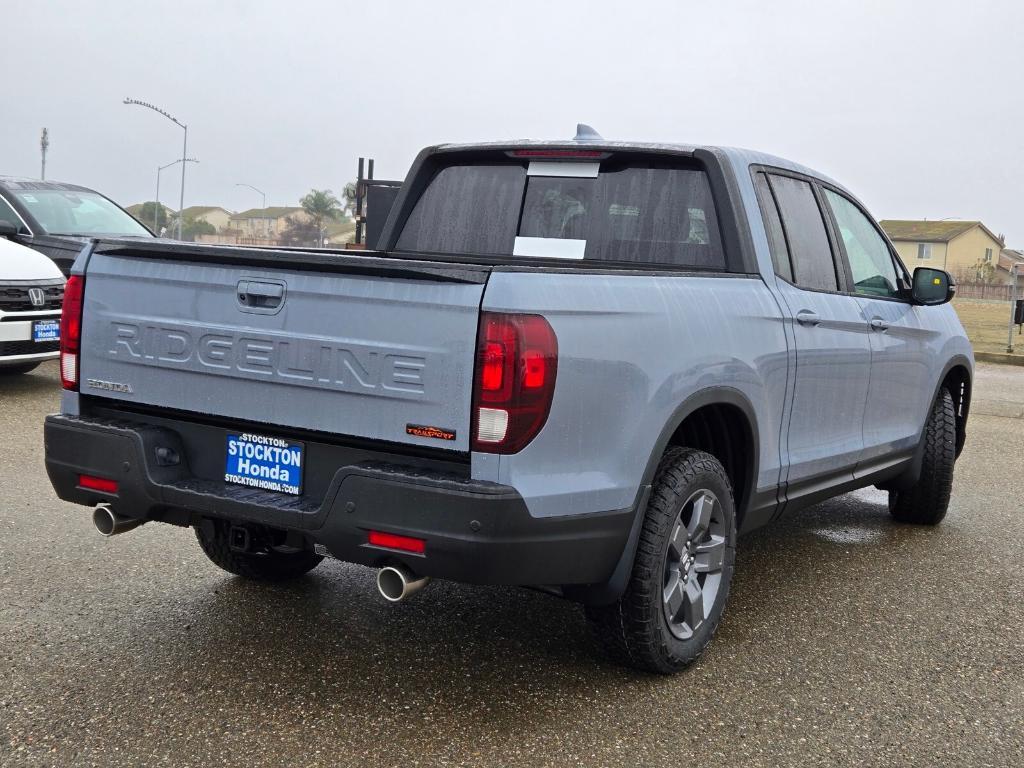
{"points": [[585, 366]]}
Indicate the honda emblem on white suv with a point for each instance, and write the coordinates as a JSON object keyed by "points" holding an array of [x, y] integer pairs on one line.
{"points": [[37, 297]]}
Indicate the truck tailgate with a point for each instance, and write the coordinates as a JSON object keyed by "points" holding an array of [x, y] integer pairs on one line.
{"points": [[337, 348]]}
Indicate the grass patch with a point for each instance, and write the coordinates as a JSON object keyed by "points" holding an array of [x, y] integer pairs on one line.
{"points": [[985, 323]]}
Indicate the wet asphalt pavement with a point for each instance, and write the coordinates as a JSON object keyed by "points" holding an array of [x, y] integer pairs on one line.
{"points": [[848, 640]]}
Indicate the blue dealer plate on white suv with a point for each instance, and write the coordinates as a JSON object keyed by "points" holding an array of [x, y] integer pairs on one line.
{"points": [[269, 463], [46, 330]]}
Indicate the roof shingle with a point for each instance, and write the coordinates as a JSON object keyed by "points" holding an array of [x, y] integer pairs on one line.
{"points": [[273, 212], [198, 210], [926, 231]]}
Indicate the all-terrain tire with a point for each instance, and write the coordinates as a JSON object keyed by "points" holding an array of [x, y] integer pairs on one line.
{"points": [[266, 565], [926, 501], [15, 370], [635, 630]]}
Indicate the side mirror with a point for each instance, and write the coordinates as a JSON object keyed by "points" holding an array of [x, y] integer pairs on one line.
{"points": [[7, 229], [932, 286]]}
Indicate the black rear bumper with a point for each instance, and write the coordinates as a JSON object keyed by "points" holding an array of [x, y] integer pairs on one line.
{"points": [[475, 531]]}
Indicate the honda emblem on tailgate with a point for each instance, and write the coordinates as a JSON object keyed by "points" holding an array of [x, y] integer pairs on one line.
{"points": [[37, 297]]}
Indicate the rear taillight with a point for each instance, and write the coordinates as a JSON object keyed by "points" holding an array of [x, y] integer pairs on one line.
{"points": [[71, 331], [517, 358]]}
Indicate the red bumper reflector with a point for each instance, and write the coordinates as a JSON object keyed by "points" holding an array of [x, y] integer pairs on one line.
{"points": [[394, 541], [97, 483]]}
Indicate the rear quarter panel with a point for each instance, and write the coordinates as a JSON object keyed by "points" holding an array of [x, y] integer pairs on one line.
{"points": [[632, 349]]}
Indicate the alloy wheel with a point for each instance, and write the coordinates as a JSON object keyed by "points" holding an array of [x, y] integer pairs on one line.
{"points": [[694, 563]]}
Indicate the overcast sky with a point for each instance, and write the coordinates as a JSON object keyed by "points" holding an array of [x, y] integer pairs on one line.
{"points": [[918, 107]]}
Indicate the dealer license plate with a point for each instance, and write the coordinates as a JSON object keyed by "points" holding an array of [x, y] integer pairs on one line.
{"points": [[270, 463], [46, 330]]}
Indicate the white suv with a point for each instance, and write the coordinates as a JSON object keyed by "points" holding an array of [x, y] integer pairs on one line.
{"points": [[31, 292]]}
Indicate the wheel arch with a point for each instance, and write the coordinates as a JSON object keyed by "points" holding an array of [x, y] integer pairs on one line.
{"points": [[722, 422], [957, 378], [711, 405]]}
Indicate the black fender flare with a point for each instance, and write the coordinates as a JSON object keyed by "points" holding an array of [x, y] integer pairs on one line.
{"points": [[959, 361], [612, 590], [909, 478]]}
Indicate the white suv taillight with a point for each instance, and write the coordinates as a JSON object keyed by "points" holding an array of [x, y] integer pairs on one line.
{"points": [[517, 358], [71, 331]]}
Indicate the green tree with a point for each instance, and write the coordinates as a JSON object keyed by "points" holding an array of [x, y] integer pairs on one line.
{"points": [[148, 210], [985, 271], [299, 232], [322, 206], [348, 196], [190, 228]]}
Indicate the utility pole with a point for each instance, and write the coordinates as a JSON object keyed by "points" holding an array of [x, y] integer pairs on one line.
{"points": [[44, 144], [1014, 271]]}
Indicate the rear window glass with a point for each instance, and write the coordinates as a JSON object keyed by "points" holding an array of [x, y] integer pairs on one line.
{"points": [[467, 209], [629, 213]]}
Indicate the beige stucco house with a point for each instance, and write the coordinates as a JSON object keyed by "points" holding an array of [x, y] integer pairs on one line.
{"points": [[213, 215], [959, 247], [1007, 259], [265, 223]]}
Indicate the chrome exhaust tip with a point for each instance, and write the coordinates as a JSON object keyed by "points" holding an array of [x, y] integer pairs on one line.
{"points": [[397, 583], [108, 523]]}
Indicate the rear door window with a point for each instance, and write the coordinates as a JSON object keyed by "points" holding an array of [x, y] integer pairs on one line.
{"points": [[806, 237], [629, 213], [773, 226]]}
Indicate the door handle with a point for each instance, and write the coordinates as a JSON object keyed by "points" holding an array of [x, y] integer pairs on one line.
{"points": [[879, 324], [255, 295], [806, 317]]}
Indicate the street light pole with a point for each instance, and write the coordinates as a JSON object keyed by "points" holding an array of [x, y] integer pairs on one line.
{"points": [[254, 189], [156, 214], [156, 208], [184, 149], [181, 199], [1014, 271]]}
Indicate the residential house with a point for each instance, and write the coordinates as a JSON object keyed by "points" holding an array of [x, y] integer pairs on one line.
{"points": [[962, 248], [136, 211], [265, 223], [1007, 258], [214, 215]]}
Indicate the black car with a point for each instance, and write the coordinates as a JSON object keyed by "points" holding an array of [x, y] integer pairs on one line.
{"points": [[57, 218]]}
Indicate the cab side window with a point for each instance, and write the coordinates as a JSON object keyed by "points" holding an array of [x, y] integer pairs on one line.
{"points": [[806, 237], [874, 273]]}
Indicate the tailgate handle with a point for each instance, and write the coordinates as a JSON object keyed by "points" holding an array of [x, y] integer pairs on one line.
{"points": [[255, 294]]}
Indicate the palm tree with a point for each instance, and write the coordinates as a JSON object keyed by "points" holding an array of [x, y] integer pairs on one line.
{"points": [[349, 196], [322, 206]]}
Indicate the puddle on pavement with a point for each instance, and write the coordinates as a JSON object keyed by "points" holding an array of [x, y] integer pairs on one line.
{"points": [[853, 533], [849, 534]]}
